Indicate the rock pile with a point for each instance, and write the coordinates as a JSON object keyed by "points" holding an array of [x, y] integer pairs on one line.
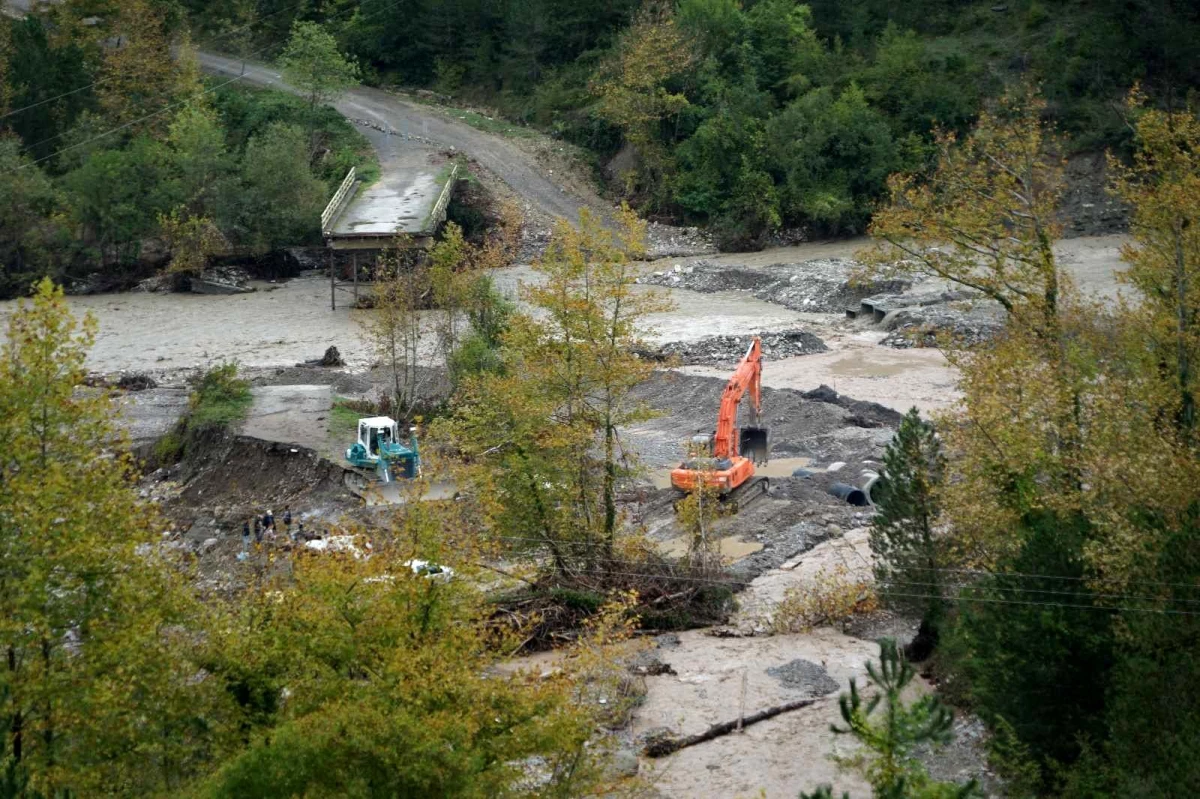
{"points": [[966, 322], [668, 241], [719, 350], [823, 285]]}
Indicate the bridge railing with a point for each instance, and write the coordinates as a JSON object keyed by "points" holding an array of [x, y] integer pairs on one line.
{"points": [[335, 205]]}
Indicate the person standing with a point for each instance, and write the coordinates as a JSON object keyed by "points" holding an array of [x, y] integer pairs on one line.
{"points": [[246, 536], [287, 522]]}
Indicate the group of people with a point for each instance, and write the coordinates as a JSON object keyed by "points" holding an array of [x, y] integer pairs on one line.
{"points": [[264, 529]]}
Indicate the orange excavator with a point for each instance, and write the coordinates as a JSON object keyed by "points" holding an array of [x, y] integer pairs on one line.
{"points": [[723, 462]]}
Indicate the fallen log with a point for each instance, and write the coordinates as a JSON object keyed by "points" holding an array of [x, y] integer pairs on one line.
{"points": [[661, 747]]}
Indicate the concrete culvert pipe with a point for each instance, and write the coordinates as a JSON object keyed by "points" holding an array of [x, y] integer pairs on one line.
{"points": [[848, 493]]}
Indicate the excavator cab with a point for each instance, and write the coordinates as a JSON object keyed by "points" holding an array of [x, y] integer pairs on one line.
{"points": [[753, 443]]}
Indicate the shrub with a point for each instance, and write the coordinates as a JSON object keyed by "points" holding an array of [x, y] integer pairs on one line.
{"points": [[832, 598]]}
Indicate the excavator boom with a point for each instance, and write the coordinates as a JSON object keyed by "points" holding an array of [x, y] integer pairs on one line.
{"points": [[747, 377]]}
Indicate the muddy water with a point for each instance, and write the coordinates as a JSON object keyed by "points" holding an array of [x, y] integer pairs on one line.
{"points": [[694, 316], [283, 324], [732, 548], [278, 325]]}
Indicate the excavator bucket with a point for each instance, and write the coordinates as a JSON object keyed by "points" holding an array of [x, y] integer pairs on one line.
{"points": [[753, 444]]}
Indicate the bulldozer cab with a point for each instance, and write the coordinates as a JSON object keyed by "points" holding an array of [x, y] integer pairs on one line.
{"points": [[376, 432]]}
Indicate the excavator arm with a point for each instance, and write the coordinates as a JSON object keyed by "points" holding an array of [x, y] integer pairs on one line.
{"points": [[747, 377]]}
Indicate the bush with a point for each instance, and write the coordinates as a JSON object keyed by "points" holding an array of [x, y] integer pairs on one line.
{"points": [[832, 598], [219, 399]]}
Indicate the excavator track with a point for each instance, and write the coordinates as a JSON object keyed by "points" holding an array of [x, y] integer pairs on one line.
{"points": [[746, 494]]}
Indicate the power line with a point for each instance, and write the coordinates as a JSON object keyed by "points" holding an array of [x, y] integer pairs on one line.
{"points": [[127, 124]]}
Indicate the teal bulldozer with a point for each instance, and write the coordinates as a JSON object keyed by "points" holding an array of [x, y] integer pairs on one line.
{"points": [[378, 447]]}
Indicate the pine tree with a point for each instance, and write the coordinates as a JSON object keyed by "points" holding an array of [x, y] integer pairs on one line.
{"points": [[902, 537], [890, 737]]}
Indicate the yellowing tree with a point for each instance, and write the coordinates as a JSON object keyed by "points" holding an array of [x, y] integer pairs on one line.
{"points": [[985, 217], [1163, 187], [97, 693], [139, 74], [633, 87], [375, 681], [544, 431]]}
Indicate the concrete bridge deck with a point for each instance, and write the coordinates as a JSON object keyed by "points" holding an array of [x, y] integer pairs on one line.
{"points": [[408, 201]]}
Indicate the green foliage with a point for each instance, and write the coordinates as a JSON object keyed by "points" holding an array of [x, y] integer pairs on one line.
{"points": [[890, 736], [219, 399], [96, 695], [834, 155], [387, 691], [281, 199], [1040, 653], [907, 557], [563, 389], [31, 232], [343, 418], [39, 68], [311, 63]]}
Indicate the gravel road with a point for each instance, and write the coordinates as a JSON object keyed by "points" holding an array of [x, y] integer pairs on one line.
{"points": [[416, 127]]}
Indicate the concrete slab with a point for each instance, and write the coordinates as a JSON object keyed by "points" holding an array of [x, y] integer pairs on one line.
{"points": [[147, 415], [292, 415], [403, 201]]}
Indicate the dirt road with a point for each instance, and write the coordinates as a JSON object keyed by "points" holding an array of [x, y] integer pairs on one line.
{"points": [[410, 126]]}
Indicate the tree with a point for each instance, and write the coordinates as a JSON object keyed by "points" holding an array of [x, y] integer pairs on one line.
{"points": [[633, 89], [117, 196], [907, 557], [37, 72], [543, 431], [1163, 187], [97, 691], [986, 216], [312, 64], [281, 199], [361, 678], [139, 74], [401, 285], [835, 154], [986, 219], [889, 740], [32, 237], [1035, 645], [192, 240]]}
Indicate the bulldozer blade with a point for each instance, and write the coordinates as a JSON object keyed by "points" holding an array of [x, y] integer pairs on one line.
{"points": [[753, 444]]}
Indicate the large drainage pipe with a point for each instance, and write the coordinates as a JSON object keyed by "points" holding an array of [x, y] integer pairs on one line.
{"points": [[848, 493]]}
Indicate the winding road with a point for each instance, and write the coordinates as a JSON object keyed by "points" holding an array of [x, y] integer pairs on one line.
{"points": [[416, 130]]}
